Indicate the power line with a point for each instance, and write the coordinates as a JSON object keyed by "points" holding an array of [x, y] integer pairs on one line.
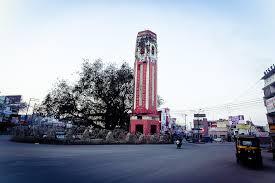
{"points": [[225, 106]]}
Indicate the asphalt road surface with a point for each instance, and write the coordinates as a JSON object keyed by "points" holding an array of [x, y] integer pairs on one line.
{"points": [[28, 163]]}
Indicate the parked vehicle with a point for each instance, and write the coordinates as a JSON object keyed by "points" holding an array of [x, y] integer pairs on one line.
{"points": [[206, 139], [248, 150], [218, 139]]}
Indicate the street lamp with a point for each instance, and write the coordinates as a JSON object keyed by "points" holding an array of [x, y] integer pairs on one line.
{"points": [[31, 99], [198, 119], [184, 120]]}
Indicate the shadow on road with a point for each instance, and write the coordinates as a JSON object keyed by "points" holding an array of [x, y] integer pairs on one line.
{"points": [[267, 166]]}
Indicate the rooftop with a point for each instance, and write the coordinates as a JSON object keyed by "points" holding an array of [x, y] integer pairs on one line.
{"points": [[269, 72], [147, 32]]}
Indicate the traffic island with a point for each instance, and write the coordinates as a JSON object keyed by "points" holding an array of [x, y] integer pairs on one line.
{"points": [[84, 136]]}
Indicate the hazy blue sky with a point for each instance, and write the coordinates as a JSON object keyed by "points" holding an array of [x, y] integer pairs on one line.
{"points": [[210, 52]]}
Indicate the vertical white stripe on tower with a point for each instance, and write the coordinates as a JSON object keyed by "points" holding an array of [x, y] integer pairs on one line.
{"points": [[147, 85], [135, 91], [140, 84], [153, 85]]}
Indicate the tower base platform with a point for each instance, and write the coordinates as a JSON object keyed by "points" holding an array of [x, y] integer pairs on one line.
{"points": [[145, 126]]}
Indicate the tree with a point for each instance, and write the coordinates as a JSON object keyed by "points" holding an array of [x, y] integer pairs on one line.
{"points": [[101, 97], [160, 101]]}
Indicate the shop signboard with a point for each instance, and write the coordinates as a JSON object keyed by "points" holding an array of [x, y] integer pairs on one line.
{"points": [[222, 123], [270, 105], [235, 119], [199, 115], [13, 100], [11, 104], [262, 134], [242, 126]]}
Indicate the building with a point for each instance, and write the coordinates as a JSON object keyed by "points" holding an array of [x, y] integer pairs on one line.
{"points": [[200, 129], [243, 128], [165, 120], [9, 108], [233, 122], [219, 129], [144, 117], [269, 99], [202, 125]]}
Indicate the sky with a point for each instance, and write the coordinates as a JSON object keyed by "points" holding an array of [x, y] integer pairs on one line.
{"points": [[210, 52]]}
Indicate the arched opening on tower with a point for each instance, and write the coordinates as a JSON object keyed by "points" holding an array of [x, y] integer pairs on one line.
{"points": [[139, 128]]}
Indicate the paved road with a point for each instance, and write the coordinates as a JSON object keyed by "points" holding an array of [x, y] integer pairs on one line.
{"points": [[126, 163]]}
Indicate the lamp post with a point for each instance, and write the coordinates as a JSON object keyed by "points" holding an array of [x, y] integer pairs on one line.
{"points": [[184, 115], [31, 99], [185, 121], [198, 129]]}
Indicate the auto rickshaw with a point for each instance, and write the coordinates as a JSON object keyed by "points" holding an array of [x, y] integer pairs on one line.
{"points": [[248, 150]]}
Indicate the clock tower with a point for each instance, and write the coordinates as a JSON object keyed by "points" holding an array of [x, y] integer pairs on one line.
{"points": [[145, 118]]}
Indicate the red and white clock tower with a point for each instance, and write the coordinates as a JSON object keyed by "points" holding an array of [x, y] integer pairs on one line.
{"points": [[145, 118]]}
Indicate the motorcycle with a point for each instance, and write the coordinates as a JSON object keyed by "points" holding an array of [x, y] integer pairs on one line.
{"points": [[178, 142]]}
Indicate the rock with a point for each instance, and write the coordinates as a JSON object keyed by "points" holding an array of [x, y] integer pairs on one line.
{"points": [[51, 134], [94, 133], [102, 134], [153, 139], [164, 139], [138, 134], [142, 139], [86, 135], [69, 135], [119, 135], [130, 138], [109, 137]]}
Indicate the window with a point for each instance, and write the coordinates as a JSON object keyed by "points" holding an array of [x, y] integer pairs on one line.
{"points": [[222, 136], [139, 128], [248, 143], [153, 129]]}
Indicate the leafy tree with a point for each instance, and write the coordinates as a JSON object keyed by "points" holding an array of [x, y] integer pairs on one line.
{"points": [[101, 97], [160, 101]]}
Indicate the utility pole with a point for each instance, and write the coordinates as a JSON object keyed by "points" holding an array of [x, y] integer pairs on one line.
{"points": [[31, 99], [33, 112], [185, 121], [199, 124]]}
